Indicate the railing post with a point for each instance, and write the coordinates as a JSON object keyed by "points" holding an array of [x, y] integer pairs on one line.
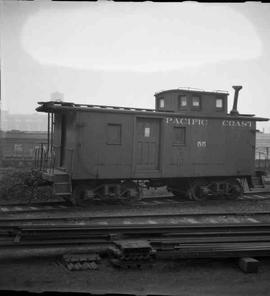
{"points": [[41, 157], [38, 157]]}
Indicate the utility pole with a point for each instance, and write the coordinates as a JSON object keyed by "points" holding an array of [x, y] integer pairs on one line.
{"points": [[267, 158], [0, 99], [1, 133]]}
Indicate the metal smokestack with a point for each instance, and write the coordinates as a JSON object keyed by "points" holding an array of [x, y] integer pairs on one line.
{"points": [[235, 100]]}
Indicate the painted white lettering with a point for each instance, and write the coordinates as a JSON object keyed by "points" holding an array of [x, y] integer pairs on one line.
{"points": [[195, 121], [236, 123], [168, 119], [186, 121], [201, 144]]}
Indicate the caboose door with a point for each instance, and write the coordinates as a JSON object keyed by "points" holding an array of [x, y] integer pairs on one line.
{"points": [[147, 144]]}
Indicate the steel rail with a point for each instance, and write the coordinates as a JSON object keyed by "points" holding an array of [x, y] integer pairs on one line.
{"points": [[158, 243], [37, 238], [256, 192], [182, 251], [191, 248], [168, 234], [15, 218], [142, 228], [34, 204], [173, 240], [144, 222], [180, 198], [26, 208]]}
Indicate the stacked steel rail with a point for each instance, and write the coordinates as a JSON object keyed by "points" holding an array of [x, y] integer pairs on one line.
{"points": [[37, 237]]}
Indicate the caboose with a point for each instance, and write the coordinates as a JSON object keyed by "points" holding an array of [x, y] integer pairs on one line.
{"points": [[189, 143]]}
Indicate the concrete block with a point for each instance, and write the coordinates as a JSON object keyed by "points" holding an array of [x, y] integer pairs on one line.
{"points": [[248, 265]]}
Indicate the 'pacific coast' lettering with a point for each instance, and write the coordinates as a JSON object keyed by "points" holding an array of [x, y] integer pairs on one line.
{"points": [[186, 121], [236, 123]]}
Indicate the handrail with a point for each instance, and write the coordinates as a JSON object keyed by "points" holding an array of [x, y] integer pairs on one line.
{"points": [[262, 159], [41, 157], [45, 159]]}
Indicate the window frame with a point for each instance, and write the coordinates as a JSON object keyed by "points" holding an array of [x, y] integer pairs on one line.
{"points": [[184, 129], [159, 105], [108, 142], [200, 103], [180, 107], [148, 133], [219, 108]]}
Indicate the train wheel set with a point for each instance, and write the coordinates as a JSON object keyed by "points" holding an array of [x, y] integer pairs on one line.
{"points": [[196, 190], [127, 190], [202, 190]]}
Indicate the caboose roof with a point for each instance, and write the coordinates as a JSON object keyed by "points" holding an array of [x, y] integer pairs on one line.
{"points": [[56, 106], [192, 90]]}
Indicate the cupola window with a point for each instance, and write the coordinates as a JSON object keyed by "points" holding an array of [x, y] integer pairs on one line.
{"points": [[196, 102], [161, 103], [182, 102], [219, 103]]}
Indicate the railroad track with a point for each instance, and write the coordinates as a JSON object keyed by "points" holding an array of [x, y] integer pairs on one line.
{"points": [[34, 207], [146, 201], [158, 200], [140, 220]]}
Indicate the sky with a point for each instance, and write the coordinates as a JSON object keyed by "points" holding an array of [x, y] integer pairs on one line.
{"points": [[122, 53]]}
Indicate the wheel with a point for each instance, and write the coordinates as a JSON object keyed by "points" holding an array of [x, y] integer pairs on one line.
{"points": [[178, 193], [235, 189], [69, 201], [197, 191], [130, 190], [80, 194]]}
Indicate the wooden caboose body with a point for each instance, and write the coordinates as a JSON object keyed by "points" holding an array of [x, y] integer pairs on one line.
{"points": [[189, 137]]}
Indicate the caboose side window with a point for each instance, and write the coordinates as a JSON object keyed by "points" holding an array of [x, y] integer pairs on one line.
{"points": [[179, 135], [161, 103], [182, 102], [114, 134], [147, 131], [219, 103], [196, 102]]}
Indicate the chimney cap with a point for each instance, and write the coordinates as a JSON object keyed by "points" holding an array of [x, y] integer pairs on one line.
{"points": [[237, 87]]}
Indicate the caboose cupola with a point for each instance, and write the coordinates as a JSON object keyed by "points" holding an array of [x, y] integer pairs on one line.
{"points": [[192, 101]]}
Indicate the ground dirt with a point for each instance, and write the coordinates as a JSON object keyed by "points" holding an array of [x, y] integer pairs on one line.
{"points": [[185, 277], [209, 277]]}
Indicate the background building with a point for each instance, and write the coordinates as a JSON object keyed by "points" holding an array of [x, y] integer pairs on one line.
{"points": [[19, 148], [23, 122], [263, 150]]}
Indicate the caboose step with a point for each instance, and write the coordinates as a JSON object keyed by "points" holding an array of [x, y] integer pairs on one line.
{"points": [[62, 188], [257, 181], [56, 176], [63, 194]]}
